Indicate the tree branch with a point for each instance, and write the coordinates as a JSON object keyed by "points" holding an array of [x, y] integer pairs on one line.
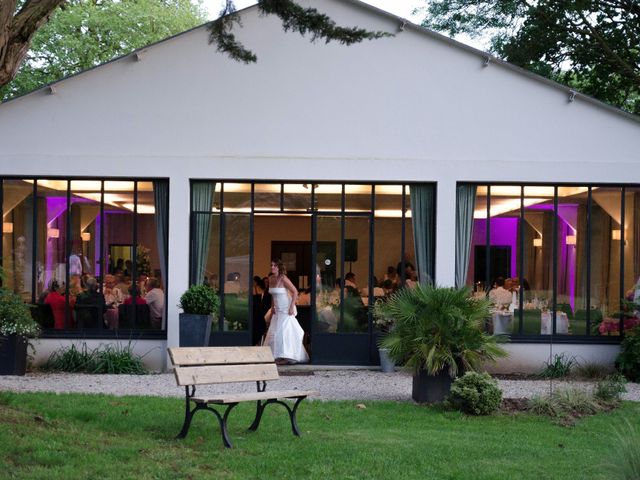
{"points": [[16, 34], [294, 18]]}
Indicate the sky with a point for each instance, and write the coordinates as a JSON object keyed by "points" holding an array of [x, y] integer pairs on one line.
{"points": [[402, 8]]}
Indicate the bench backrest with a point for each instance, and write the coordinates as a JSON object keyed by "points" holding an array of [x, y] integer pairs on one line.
{"points": [[205, 365]]}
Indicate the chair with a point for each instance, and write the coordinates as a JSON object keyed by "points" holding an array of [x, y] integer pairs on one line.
{"points": [[126, 318], [43, 315], [88, 316]]}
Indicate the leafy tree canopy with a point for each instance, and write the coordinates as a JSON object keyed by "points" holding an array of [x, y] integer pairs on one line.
{"points": [[82, 34], [590, 45]]}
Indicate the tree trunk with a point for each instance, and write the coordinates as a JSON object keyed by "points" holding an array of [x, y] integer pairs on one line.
{"points": [[17, 30]]}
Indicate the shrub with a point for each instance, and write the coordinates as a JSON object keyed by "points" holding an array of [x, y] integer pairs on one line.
{"points": [[117, 359], [15, 316], [592, 371], [113, 359], [200, 300], [69, 359], [628, 360], [475, 394], [565, 404], [560, 366], [611, 389]]}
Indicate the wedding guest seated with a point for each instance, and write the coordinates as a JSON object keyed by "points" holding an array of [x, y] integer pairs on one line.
{"points": [[391, 275], [411, 277], [350, 286], [133, 292], [113, 297], [123, 283], [155, 300], [58, 305]]}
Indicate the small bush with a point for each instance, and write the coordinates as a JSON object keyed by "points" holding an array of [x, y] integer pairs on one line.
{"points": [[69, 359], [200, 300], [592, 371], [475, 394], [628, 360], [560, 366], [610, 390], [563, 404], [117, 359], [103, 359]]}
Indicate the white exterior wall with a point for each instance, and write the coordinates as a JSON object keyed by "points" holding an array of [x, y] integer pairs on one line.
{"points": [[408, 108]]}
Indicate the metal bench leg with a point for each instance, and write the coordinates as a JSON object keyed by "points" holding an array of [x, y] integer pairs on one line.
{"points": [[223, 425], [256, 421], [292, 416], [188, 415]]}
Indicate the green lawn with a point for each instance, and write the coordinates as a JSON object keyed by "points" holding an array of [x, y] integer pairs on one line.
{"points": [[96, 436]]}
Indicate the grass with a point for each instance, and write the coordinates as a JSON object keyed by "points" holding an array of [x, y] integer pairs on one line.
{"points": [[71, 436]]}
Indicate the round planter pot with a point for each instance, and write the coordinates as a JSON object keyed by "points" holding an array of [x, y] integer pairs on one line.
{"points": [[195, 330], [386, 364], [13, 355], [431, 388]]}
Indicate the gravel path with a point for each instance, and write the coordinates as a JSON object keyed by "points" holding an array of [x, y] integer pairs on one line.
{"points": [[332, 385]]}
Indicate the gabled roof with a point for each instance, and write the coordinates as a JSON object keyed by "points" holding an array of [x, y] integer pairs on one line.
{"points": [[484, 57]]}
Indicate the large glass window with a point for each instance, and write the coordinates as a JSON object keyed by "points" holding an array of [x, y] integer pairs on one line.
{"points": [[558, 260], [320, 231], [87, 253]]}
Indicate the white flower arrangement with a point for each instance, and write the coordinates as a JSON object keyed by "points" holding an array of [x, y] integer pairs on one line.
{"points": [[15, 316]]}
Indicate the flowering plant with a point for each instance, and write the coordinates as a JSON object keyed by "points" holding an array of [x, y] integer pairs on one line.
{"points": [[382, 319], [15, 316], [327, 299]]}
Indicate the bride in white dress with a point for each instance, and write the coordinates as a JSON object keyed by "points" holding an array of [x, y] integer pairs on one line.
{"points": [[285, 334]]}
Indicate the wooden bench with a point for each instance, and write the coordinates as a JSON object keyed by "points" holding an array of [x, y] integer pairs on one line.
{"points": [[195, 366]]}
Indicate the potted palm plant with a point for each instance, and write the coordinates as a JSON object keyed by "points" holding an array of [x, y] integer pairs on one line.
{"points": [[16, 326], [439, 335], [200, 304]]}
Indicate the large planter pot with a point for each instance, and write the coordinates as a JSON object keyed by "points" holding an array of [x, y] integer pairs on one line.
{"points": [[195, 330], [431, 388], [13, 355]]}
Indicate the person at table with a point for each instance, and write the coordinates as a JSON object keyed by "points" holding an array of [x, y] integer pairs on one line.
{"points": [[261, 305], [133, 292], [113, 297], [499, 295], [155, 299], [58, 304], [90, 305]]}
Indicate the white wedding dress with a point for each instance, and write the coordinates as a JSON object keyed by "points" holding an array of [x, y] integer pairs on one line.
{"points": [[285, 333]]}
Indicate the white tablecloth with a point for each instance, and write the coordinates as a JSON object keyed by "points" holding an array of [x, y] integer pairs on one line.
{"points": [[546, 325], [502, 323]]}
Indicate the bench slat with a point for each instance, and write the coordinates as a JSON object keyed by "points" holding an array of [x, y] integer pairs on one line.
{"points": [[226, 374], [245, 397], [220, 355]]}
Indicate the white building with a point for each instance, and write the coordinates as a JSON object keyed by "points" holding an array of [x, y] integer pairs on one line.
{"points": [[86, 164]]}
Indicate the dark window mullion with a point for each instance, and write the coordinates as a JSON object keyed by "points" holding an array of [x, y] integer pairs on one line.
{"points": [[521, 264], [403, 238], [221, 269], [67, 251], [342, 272], [622, 240], [554, 302], [314, 257], [101, 324], [370, 282], [588, 256], [34, 241], [251, 257], [134, 255], [487, 282]]}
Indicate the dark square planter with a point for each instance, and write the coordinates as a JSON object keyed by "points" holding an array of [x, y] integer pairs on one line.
{"points": [[431, 388], [195, 330], [13, 355]]}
